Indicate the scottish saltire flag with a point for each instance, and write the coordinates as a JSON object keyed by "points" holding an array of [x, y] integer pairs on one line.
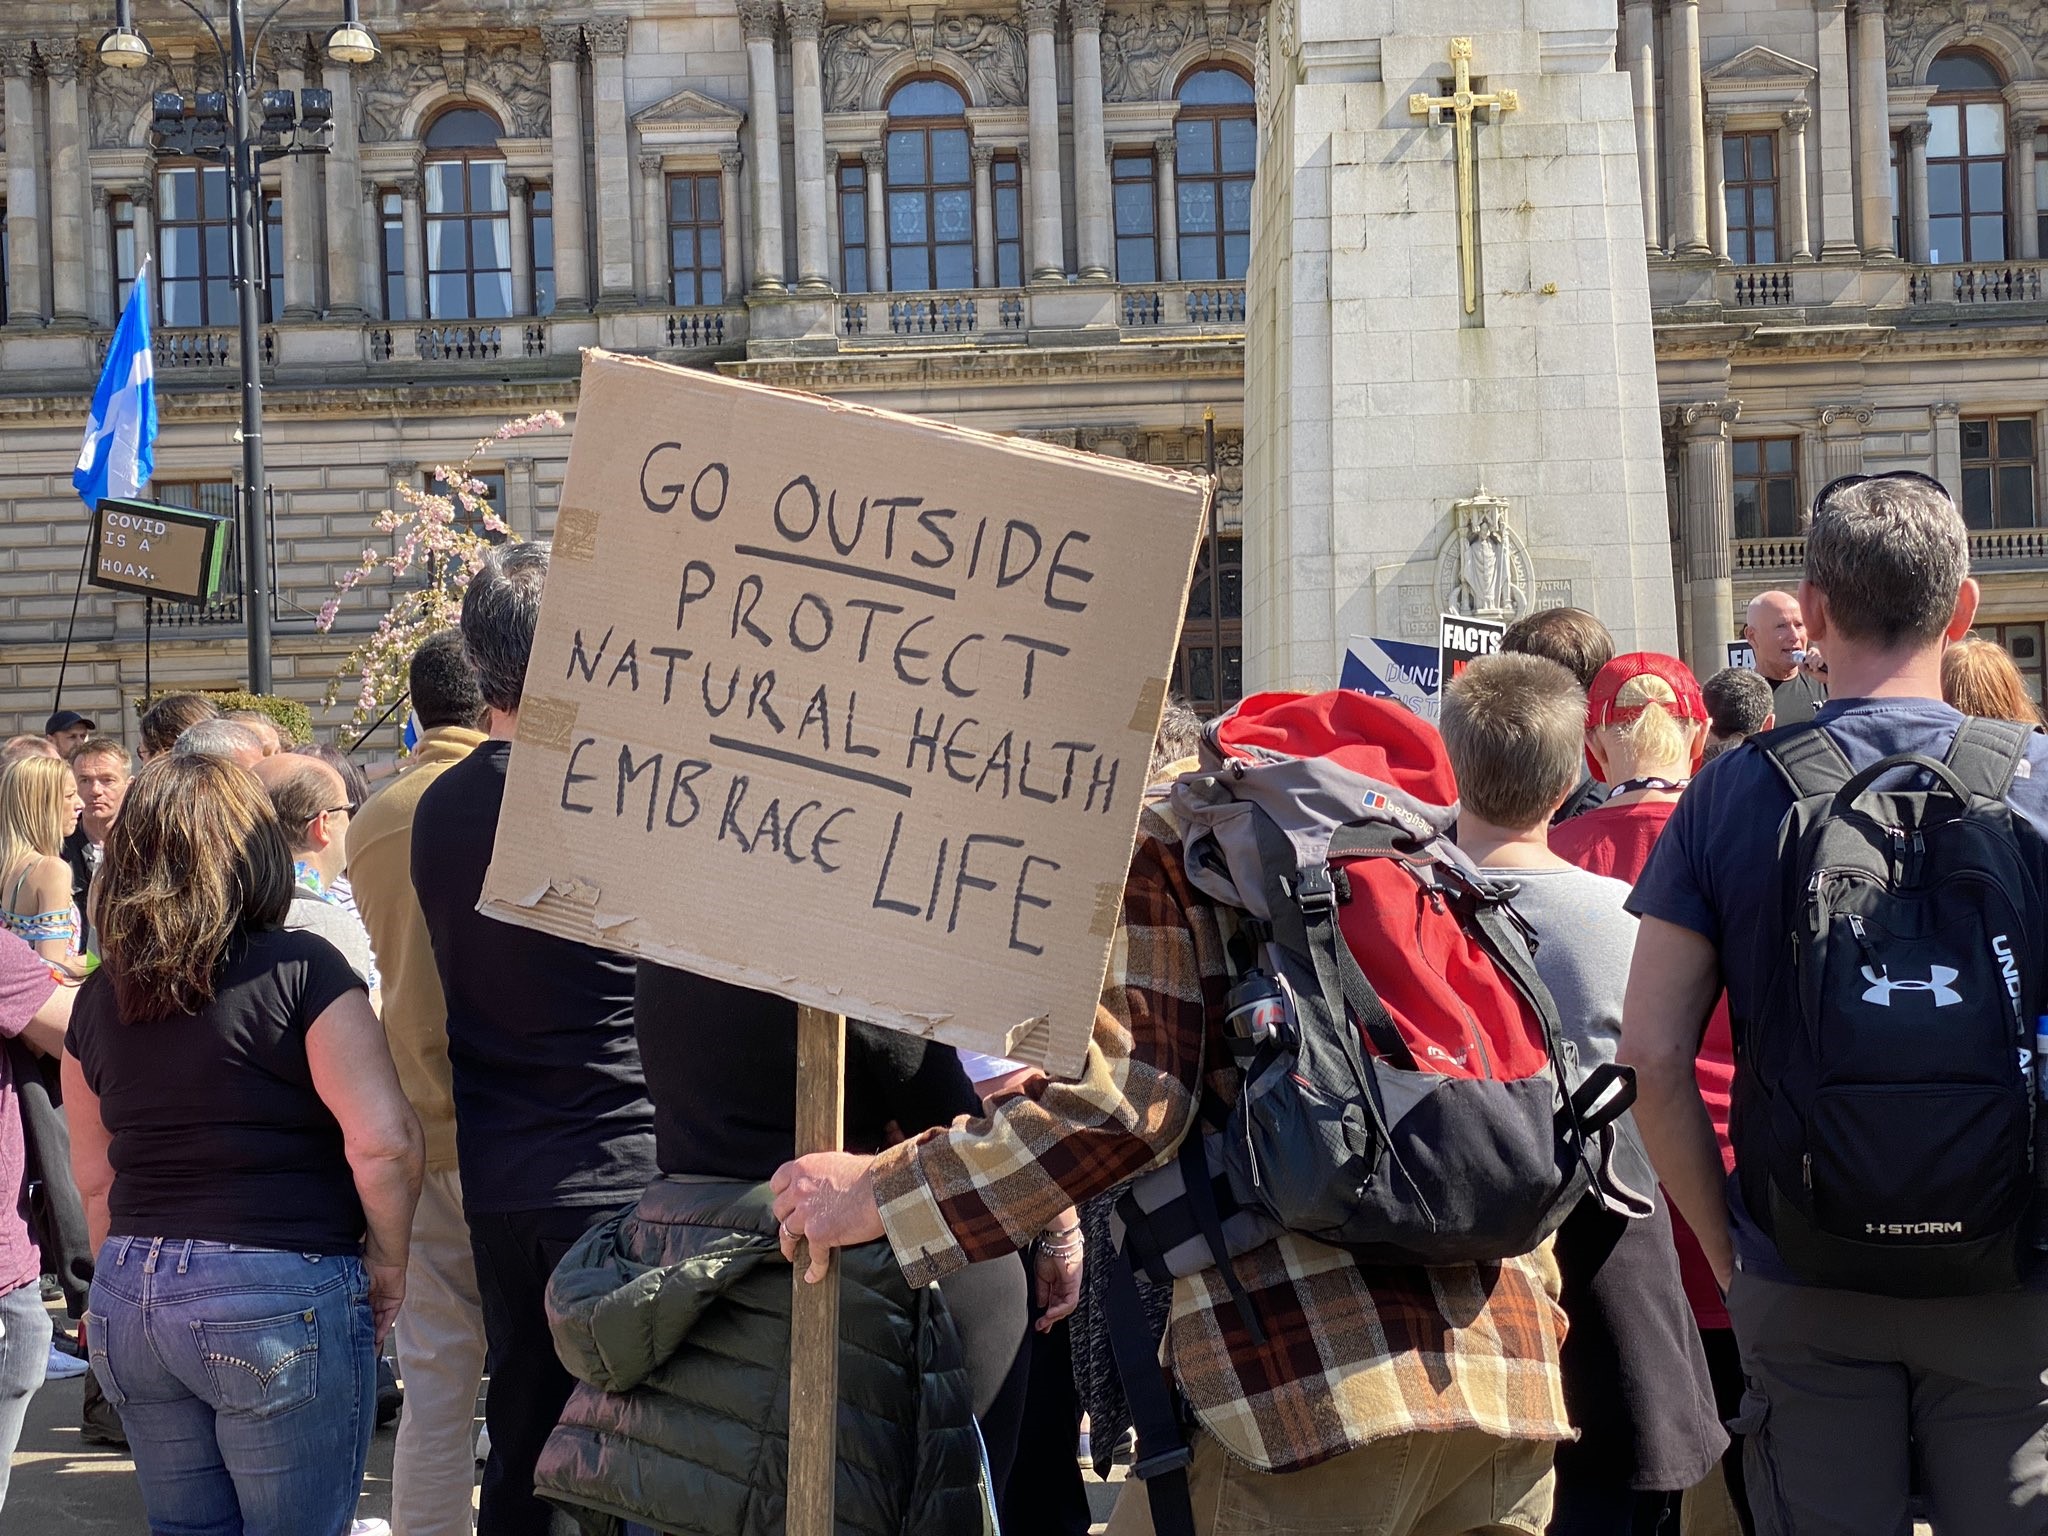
{"points": [[119, 450]]}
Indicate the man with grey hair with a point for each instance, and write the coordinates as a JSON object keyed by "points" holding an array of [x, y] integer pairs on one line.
{"points": [[553, 1130], [227, 739], [1953, 1384]]}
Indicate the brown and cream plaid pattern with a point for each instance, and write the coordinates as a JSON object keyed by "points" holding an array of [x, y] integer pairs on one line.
{"points": [[1353, 1353]]}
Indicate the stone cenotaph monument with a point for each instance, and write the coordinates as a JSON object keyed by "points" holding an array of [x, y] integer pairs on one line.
{"points": [[1450, 394]]}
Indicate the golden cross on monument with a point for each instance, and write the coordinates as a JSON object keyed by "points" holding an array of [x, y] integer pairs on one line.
{"points": [[1461, 103]]}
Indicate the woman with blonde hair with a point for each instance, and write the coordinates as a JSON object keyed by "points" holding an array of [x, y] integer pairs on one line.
{"points": [[248, 1164], [1978, 678], [39, 808], [1646, 728]]}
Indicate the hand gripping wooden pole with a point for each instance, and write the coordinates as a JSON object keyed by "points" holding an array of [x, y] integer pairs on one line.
{"points": [[814, 1313]]}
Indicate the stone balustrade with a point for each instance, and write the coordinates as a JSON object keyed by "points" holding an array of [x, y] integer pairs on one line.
{"points": [[2003, 282], [2011, 549]]}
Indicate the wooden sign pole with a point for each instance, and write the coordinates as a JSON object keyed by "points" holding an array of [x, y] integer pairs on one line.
{"points": [[814, 1313]]}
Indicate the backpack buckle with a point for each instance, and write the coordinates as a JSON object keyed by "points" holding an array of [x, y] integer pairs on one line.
{"points": [[1171, 1460], [1315, 892]]}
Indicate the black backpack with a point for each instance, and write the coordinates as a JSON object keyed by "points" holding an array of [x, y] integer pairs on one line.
{"points": [[1884, 1110]]}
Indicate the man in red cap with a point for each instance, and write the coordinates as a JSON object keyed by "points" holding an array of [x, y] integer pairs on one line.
{"points": [[1646, 726]]}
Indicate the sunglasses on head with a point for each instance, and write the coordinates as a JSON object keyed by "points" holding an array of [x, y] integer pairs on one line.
{"points": [[1843, 482]]}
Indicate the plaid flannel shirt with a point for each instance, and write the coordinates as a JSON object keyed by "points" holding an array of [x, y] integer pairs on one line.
{"points": [[1353, 1353]]}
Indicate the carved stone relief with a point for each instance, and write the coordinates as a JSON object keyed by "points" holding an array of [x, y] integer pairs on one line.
{"points": [[1138, 45], [1910, 25], [514, 69], [989, 48]]}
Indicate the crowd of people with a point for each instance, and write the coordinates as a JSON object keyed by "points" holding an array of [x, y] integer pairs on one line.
{"points": [[276, 1096]]}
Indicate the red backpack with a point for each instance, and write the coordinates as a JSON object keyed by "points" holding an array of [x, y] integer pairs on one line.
{"points": [[1407, 1091]]}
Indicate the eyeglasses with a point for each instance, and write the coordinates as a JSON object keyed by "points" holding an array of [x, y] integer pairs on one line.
{"points": [[350, 808], [1843, 482]]}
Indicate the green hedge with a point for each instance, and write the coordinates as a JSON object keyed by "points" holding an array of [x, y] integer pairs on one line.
{"points": [[294, 721]]}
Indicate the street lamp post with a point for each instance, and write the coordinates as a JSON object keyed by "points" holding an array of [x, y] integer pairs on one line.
{"points": [[213, 127]]}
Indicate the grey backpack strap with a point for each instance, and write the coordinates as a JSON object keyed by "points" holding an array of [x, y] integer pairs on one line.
{"points": [[1987, 753], [1810, 762]]}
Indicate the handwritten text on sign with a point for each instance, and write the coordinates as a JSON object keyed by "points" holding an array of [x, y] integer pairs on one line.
{"points": [[846, 706]]}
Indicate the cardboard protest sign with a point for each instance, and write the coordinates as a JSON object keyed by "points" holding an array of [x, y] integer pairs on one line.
{"points": [[1742, 654], [1461, 641], [843, 705], [1399, 670]]}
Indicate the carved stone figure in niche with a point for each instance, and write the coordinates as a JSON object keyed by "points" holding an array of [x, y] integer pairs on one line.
{"points": [[1483, 568], [518, 73], [118, 99], [387, 88]]}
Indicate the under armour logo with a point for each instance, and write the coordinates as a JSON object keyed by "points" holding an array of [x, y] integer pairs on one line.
{"points": [[1882, 986]]}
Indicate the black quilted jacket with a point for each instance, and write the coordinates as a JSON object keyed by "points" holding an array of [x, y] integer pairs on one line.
{"points": [[673, 1316]]}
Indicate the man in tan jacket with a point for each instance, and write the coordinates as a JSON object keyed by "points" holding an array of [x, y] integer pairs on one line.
{"points": [[440, 1332]]}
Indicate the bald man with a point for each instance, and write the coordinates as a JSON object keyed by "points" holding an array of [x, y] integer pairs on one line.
{"points": [[1776, 631], [312, 802]]}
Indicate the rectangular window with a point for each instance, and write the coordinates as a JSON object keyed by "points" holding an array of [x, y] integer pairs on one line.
{"points": [[1216, 154], [121, 214], [853, 227], [543, 225], [1195, 667], [2026, 644], [696, 241], [391, 212], [1998, 471], [1766, 487], [196, 249], [219, 498], [1007, 178], [1134, 196], [494, 493], [1750, 161], [468, 226]]}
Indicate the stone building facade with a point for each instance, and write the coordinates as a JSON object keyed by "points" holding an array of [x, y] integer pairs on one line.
{"points": [[1029, 218]]}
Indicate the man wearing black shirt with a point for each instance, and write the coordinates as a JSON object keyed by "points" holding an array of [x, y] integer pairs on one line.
{"points": [[553, 1129], [1776, 632]]}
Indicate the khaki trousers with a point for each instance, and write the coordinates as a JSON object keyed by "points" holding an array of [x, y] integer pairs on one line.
{"points": [[440, 1338], [1460, 1483]]}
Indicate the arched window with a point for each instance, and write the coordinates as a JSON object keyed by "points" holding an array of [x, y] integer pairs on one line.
{"points": [[1966, 161], [1216, 150], [468, 219], [931, 189]]}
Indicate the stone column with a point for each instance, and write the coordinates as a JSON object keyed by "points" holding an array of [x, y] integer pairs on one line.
{"points": [[1686, 110], [1918, 236], [1707, 523], [70, 272], [1091, 150], [813, 193], [764, 121], [143, 197], [1798, 232], [368, 218], [1164, 148], [1048, 234], [733, 212], [563, 43], [1948, 447], [300, 189], [657, 285], [519, 194], [347, 255], [415, 249], [984, 216], [1837, 180], [2024, 127], [100, 242], [1841, 441], [876, 159], [607, 38], [1873, 129], [24, 194], [1639, 55], [1717, 184]]}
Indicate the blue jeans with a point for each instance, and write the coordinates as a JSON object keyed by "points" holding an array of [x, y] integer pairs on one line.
{"points": [[246, 1380], [24, 1352]]}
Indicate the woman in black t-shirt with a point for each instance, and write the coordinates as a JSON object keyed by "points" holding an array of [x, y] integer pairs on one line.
{"points": [[248, 1163]]}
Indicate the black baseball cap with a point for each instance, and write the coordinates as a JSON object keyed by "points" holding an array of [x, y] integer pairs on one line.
{"points": [[65, 719]]}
